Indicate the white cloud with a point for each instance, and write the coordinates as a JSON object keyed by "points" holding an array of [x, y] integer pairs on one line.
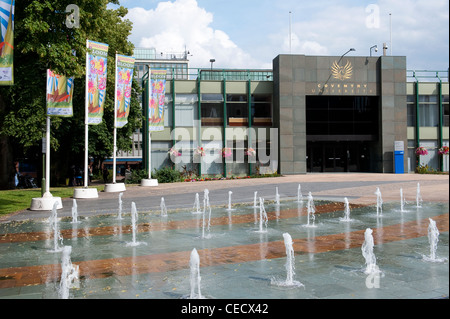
{"points": [[174, 26], [419, 31]]}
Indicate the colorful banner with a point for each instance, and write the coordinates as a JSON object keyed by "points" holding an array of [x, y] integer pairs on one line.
{"points": [[96, 67], [7, 44], [124, 79], [59, 95], [157, 98]]}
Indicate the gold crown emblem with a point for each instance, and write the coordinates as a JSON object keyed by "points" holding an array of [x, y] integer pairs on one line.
{"points": [[342, 72]]}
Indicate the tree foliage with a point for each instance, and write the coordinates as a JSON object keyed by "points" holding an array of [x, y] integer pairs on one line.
{"points": [[43, 41]]}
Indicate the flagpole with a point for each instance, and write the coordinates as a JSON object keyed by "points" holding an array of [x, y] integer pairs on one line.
{"points": [[149, 86], [115, 187], [149, 182], [86, 120], [86, 192], [47, 161], [115, 125], [47, 201]]}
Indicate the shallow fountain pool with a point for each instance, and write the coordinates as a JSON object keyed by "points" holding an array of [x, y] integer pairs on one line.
{"points": [[238, 258]]}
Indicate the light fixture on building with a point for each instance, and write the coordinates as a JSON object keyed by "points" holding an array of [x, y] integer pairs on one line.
{"points": [[384, 49]]}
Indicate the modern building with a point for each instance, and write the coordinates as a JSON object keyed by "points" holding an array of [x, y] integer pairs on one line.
{"points": [[307, 114]]}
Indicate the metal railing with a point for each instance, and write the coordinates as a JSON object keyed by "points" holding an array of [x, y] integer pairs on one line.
{"points": [[216, 74], [427, 75]]}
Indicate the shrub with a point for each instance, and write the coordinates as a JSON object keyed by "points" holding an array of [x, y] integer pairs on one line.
{"points": [[167, 175], [136, 176]]}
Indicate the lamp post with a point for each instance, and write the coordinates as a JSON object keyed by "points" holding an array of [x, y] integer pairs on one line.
{"points": [[212, 61], [350, 50], [373, 47]]}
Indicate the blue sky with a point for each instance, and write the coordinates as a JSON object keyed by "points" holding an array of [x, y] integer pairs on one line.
{"points": [[250, 33]]}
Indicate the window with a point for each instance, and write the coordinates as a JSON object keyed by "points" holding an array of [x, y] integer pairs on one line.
{"points": [[432, 159], [262, 110], [428, 110], [185, 109], [237, 109], [212, 109], [411, 110], [212, 161], [445, 104], [160, 157], [168, 111]]}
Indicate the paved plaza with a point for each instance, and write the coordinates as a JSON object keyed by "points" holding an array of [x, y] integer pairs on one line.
{"points": [[359, 188]]}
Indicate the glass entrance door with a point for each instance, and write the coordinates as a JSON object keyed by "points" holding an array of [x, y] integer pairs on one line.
{"points": [[338, 157], [335, 158]]}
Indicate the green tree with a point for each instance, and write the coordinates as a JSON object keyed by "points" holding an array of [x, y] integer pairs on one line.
{"points": [[43, 41]]}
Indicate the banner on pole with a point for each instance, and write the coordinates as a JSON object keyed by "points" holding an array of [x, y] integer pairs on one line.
{"points": [[7, 42], [96, 67], [124, 76], [157, 95], [59, 95]]}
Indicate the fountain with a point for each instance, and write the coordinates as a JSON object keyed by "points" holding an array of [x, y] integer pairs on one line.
{"points": [[229, 201], [119, 215], [290, 265], [367, 251], [346, 217], [69, 274], [54, 225], [206, 209], [433, 238], [241, 260], [299, 194], [196, 208], [418, 196], [74, 212], [134, 219], [194, 264], [255, 200], [402, 201], [379, 202], [277, 197], [263, 220], [163, 208], [311, 209]]}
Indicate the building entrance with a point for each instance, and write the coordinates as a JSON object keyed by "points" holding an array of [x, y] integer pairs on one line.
{"points": [[341, 132], [338, 157]]}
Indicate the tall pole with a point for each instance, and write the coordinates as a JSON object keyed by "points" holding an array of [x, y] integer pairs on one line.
{"points": [[115, 126], [47, 161], [390, 30], [290, 33], [86, 122], [149, 157]]}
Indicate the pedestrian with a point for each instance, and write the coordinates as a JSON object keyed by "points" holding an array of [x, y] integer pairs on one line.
{"points": [[105, 174]]}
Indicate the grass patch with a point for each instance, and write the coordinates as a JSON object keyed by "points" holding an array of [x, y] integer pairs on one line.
{"points": [[15, 200]]}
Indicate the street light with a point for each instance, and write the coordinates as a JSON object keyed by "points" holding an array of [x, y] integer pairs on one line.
{"points": [[350, 50], [373, 47], [212, 61]]}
